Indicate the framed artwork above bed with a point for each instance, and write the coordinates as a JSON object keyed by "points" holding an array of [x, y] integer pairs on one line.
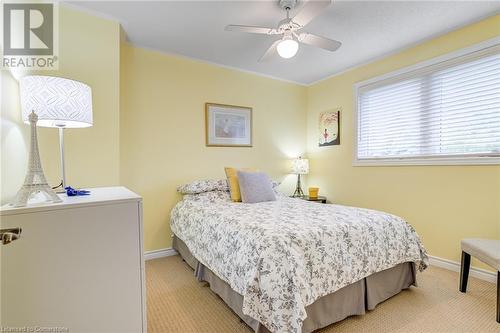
{"points": [[228, 125]]}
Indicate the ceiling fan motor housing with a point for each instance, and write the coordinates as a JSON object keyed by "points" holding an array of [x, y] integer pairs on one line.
{"points": [[287, 4], [287, 24]]}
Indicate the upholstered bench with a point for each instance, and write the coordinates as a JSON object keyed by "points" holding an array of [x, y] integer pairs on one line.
{"points": [[486, 250]]}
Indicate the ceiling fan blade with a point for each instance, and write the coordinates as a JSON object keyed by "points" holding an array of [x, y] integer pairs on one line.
{"points": [[271, 51], [311, 9], [251, 29], [318, 41]]}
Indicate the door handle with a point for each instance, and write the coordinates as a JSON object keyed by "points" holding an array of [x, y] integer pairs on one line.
{"points": [[9, 235]]}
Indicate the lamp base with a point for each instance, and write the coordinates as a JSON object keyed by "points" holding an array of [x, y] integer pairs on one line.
{"points": [[35, 181], [298, 190], [298, 193]]}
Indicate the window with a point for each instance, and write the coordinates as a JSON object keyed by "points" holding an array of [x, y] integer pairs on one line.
{"points": [[444, 111]]}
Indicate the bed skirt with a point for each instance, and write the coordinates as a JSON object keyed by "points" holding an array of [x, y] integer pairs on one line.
{"points": [[351, 300]]}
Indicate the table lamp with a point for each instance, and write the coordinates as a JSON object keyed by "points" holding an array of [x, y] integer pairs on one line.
{"points": [[58, 102], [300, 166]]}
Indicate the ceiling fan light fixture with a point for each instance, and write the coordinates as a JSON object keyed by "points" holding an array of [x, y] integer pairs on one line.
{"points": [[291, 30], [287, 48]]}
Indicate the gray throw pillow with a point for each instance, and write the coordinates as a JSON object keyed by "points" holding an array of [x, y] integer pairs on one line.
{"points": [[255, 187]]}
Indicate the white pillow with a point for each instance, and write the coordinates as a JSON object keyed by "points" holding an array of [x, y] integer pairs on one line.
{"points": [[255, 187], [201, 186]]}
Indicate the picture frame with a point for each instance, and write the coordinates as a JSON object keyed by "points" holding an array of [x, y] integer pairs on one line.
{"points": [[329, 128], [228, 125]]}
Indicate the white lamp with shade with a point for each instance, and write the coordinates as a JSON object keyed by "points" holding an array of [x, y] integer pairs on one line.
{"points": [[59, 103], [300, 166]]}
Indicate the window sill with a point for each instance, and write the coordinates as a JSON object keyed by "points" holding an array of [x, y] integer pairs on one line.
{"points": [[428, 161]]}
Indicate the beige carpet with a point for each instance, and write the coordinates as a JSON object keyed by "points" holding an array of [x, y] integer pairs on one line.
{"points": [[178, 303]]}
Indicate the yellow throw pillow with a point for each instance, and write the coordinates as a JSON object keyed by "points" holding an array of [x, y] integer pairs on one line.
{"points": [[232, 180]]}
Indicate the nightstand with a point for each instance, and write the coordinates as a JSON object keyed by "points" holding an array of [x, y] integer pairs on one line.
{"points": [[320, 198]]}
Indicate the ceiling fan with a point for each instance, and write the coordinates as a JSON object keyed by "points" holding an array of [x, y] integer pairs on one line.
{"points": [[290, 29]]}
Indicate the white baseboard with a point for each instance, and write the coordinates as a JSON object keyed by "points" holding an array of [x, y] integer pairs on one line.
{"points": [[167, 252], [455, 266]]}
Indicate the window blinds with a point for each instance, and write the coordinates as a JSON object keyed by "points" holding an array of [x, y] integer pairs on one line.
{"points": [[448, 109]]}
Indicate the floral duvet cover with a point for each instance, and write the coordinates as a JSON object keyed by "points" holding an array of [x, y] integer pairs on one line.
{"points": [[283, 255]]}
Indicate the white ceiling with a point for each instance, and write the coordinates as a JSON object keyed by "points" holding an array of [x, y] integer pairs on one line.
{"points": [[367, 29]]}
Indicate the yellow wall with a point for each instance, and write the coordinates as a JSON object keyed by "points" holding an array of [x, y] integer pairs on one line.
{"points": [[89, 51], [163, 128], [14, 139], [149, 135], [443, 203]]}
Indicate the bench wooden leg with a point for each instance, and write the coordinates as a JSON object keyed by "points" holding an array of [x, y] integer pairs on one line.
{"points": [[464, 271], [498, 297]]}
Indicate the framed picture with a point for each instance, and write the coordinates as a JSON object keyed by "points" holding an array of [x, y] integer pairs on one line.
{"points": [[329, 128], [228, 125]]}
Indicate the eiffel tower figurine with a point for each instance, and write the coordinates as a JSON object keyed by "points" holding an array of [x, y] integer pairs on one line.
{"points": [[35, 181]]}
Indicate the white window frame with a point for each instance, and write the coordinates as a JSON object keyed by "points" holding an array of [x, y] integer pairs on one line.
{"points": [[441, 160]]}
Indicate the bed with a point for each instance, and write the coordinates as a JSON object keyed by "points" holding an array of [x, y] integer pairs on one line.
{"points": [[291, 265]]}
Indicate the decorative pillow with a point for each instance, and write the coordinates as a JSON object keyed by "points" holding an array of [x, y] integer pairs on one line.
{"points": [[200, 186], [232, 180], [255, 187]]}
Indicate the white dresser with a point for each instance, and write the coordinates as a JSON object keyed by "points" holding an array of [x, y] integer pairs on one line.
{"points": [[77, 265]]}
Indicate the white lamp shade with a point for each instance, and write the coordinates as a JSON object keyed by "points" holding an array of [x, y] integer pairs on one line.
{"points": [[300, 166], [58, 102]]}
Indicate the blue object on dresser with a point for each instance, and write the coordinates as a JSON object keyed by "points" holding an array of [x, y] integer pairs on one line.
{"points": [[71, 192]]}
